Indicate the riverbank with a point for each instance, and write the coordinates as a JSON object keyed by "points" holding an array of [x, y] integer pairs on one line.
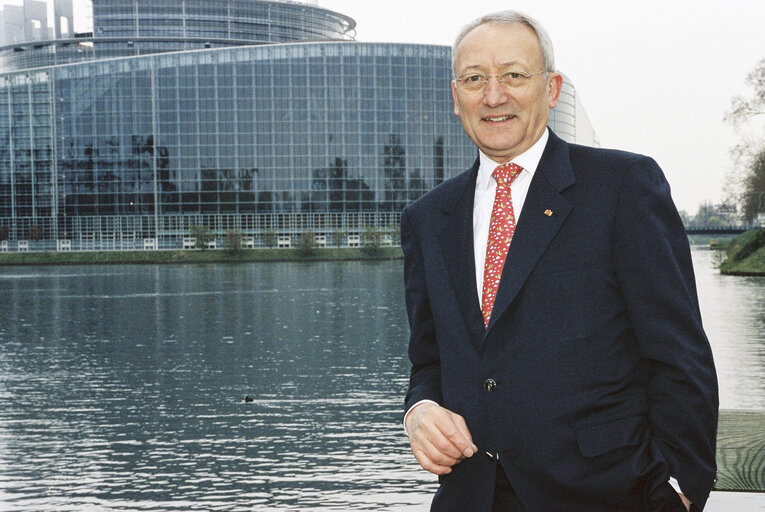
{"points": [[198, 256], [745, 254]]}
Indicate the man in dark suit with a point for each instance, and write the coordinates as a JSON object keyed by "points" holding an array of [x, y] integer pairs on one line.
{"points": [[558, 359]]}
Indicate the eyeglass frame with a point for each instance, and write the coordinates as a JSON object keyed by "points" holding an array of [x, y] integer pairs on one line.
{"points": [[498, 77]]}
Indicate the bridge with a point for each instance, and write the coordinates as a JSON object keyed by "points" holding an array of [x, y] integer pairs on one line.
{"points": [[718, 230]]}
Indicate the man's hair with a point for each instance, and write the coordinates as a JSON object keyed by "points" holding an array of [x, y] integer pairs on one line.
{"points": [[510, 18]]}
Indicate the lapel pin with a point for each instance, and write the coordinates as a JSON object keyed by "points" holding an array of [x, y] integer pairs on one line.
{"points": [[548, 213]]}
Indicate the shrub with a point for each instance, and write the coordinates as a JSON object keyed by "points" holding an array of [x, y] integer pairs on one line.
{"points": [[371, 240], [306, 243], [233, 240], [202, 236], [269, 238]]}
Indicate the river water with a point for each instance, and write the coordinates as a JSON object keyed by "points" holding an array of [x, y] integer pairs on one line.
{"points": [[121, 387]]}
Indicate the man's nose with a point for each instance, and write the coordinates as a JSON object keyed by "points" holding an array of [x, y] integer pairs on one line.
{"points": [[494, 93]]}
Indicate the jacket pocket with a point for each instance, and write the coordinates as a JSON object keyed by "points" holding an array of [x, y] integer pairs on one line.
{"points": [[599, 439]]}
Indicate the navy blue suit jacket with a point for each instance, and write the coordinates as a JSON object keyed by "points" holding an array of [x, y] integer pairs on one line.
{"points": [[605, 384]]}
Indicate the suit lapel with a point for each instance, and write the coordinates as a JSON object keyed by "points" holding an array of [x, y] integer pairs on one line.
{"points": [[456, 240], [536, 228]]}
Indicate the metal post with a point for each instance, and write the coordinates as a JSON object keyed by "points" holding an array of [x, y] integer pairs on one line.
{"points": [[155, 142]]}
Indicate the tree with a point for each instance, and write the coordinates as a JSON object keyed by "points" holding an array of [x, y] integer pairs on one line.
{"points": [[306, 243], [371, 240], [233, 241], [749, 155], [269, 238], [753, 197], [394, 171], [708, 215], [743, 108], [202, 236]]}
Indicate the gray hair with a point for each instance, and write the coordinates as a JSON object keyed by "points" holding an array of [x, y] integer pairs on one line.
{"points": [[510, 18]]}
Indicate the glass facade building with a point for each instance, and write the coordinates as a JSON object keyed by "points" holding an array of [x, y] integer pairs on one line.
{"points": [[301, 129]]}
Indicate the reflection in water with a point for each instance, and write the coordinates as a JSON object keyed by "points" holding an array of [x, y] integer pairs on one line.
{"points": [[125, 387], [733, 310], [122, 387]]}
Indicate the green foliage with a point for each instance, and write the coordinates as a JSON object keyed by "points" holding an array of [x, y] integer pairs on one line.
{"points": [[233, 240], [269, 238], [202, 236], [306, 245], [715, 221], [371, 240], [746, 254], [707, 215], [749, 243]]}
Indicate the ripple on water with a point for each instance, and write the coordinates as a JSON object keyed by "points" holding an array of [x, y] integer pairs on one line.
{"points": [[122, 388]]}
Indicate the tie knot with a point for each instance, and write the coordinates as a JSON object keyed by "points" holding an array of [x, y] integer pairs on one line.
{"points": [[506, 173]]}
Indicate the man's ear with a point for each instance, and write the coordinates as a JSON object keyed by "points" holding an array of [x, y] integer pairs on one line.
{"points": [[554, 85], [454, 97]]}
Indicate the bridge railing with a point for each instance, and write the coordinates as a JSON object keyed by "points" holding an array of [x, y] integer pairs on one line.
{"points": [[718, 230]]}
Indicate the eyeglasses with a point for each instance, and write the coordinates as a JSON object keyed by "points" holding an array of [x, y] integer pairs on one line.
{"points": [[474, 81]]}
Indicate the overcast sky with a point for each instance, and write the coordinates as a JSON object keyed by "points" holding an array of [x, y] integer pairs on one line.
{"points": [[655, 76]]}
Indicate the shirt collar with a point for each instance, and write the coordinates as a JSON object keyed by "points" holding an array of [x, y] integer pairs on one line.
{"points": [[529, 160]]}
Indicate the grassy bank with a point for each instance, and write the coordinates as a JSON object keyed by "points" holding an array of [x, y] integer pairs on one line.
{"points": [[196, 256], [745, 254]]}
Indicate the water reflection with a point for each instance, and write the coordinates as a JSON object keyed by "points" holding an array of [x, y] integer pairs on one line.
{"points": [[733, 310], [122, 387]]}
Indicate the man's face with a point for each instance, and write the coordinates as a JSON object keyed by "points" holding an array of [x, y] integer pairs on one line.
{"points": [[504, 121]]}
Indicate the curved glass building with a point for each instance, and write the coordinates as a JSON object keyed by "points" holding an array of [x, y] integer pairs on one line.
{"points": [[263, 117]]}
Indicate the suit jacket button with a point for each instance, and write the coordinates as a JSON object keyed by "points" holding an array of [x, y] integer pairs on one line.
{"points": [[489, 385]]}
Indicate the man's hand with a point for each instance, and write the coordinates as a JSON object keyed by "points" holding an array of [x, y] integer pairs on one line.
{"points": [[439, 438]]}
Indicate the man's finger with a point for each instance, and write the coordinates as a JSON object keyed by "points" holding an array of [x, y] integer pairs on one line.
{"points": [[469, 447], [429, 465], [441, 451], [452, 426]]}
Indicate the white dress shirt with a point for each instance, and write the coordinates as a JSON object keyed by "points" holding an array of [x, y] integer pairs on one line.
{"points": [[486, 189]]}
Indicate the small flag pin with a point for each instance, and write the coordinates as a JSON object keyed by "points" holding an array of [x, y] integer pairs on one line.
{"points": [[548, 213]]}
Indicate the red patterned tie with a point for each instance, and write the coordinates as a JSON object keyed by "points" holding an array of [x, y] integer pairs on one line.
{"points": [[501, 231]]}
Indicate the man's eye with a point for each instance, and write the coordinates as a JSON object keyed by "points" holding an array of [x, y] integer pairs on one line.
{"points": [[513, 75], [474, 78]]}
